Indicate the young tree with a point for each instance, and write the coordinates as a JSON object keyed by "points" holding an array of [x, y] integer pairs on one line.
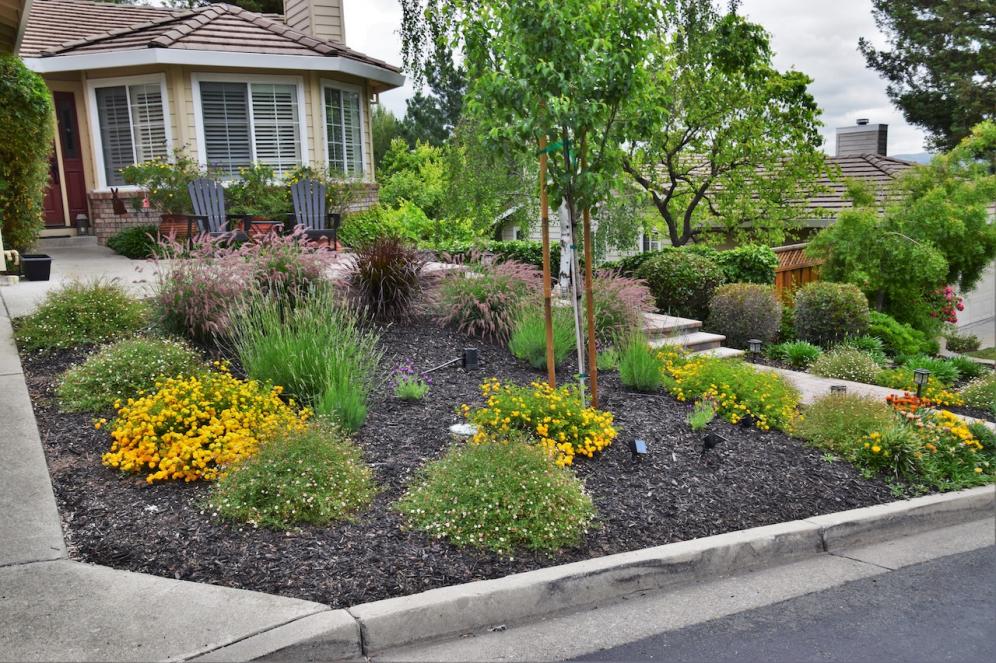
{"points": [[940, 65], [724, 143], [548, 69], [935, 231]]}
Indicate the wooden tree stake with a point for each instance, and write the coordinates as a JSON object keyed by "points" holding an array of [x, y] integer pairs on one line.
{"points": [[551, 368]]}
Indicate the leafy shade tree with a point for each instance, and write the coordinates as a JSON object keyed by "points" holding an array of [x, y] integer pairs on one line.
{"points": [[940, 64], [25, 146], [934, 232], [489, 187], [548, 69], [385, 128], [724, 141], [432, 114], [417, 175]]}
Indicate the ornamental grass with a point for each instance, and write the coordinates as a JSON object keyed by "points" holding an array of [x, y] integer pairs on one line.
{"points": [[499, 494], [197, 427], [554, 418]]}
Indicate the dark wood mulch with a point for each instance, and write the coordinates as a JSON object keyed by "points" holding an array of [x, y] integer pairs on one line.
{"points": [[676, 494]]}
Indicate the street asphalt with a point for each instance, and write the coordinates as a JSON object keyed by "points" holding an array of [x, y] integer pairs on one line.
{"points": [[941, 610]]}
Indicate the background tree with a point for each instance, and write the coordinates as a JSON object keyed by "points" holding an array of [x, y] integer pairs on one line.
{"points": [[433, 112], [385, 127], [935, 232], [724, 141], [940, 64]]}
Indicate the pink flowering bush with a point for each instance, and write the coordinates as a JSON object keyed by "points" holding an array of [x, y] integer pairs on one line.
{"points": [[619, 305], [196, 286], [946, 304]]}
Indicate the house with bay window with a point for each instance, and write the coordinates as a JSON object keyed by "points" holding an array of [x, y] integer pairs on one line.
{"points": [[229, 86]]}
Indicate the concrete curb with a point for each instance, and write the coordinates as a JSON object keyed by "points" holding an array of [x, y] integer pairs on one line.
{"points": [[460, 609], [332, 635]]}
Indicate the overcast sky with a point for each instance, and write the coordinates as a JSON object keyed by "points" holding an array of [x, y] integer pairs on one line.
{"points": [[817, 37]]}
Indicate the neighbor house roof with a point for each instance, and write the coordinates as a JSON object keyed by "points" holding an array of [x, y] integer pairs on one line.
{"points": [[66, 28], [874, 170]]}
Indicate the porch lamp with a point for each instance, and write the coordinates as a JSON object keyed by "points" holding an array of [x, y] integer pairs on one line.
{"points": [[920, 376], [754, 347]]}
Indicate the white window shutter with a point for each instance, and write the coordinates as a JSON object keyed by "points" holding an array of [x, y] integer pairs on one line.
{"points": [[225, 112], [115, 132], [148, 125], [276, 133]]}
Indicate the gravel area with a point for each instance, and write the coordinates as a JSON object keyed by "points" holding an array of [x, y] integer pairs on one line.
{"points": [[677, 493]]}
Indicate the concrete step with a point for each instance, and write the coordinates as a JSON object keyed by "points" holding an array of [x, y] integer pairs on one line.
{"points": [[65, 242], [721, 352], [657, 325], [694, 341]]}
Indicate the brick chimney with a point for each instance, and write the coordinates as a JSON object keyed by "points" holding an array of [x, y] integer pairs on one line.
{"points": [[863, 138], [321, 19]]}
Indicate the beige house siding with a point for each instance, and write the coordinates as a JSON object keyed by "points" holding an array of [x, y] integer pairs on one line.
{"points": [[182, 121], [323, 20]]}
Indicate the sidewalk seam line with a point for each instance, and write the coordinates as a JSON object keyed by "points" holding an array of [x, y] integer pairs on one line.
{"points": [[254, 634], [862, 561]]}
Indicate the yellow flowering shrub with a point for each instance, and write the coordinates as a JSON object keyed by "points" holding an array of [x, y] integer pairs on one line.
{"points": [[195, 427], [737, 390], [553, 417], [928, 448]]}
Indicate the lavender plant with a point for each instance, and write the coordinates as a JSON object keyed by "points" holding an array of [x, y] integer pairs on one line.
{"points": [[410, 384]]}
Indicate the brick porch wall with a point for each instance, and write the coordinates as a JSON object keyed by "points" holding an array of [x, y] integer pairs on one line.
{"points": [[105, 222]]}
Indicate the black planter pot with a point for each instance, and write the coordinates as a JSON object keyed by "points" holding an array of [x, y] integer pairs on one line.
{"points": [[36, 266]]}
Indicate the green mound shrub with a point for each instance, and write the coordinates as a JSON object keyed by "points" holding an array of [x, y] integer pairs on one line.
{"points": [[838, 422], [961, 343], [81, 314], [870, 345], [137, 242], [798, 353], [124, 370], [682, 282], [502, 495], [528, 341], [748, 263], [826, 313], [942, 370], [26, 126], [310, 477], [742, 311], [899, 338], [847, 364]]}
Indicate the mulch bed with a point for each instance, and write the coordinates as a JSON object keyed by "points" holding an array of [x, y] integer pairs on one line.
{"points": [[677, 493]]}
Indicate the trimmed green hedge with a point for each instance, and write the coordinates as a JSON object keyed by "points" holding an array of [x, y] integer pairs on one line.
{"points": [[25, 145], [750, 263]]}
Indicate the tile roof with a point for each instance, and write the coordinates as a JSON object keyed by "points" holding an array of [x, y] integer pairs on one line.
{"points": [[873, 169], [77, 27]]}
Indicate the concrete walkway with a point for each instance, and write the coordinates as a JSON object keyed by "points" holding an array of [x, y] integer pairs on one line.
{"points": [[812, 387], [79, 263], [54, 609]]}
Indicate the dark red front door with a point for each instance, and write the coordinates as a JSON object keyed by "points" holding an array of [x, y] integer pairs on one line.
{"points": [[72, 164]]}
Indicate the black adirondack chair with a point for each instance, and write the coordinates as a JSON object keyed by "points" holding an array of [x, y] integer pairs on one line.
{"points": [[310, 211], [208, 199]]}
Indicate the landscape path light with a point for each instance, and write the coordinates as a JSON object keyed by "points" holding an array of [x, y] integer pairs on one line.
{"points": [[838, 389], [754, 348], [920, 376]]}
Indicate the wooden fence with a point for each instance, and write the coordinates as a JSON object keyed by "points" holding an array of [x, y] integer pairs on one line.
{"points": [[794, 269]]}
